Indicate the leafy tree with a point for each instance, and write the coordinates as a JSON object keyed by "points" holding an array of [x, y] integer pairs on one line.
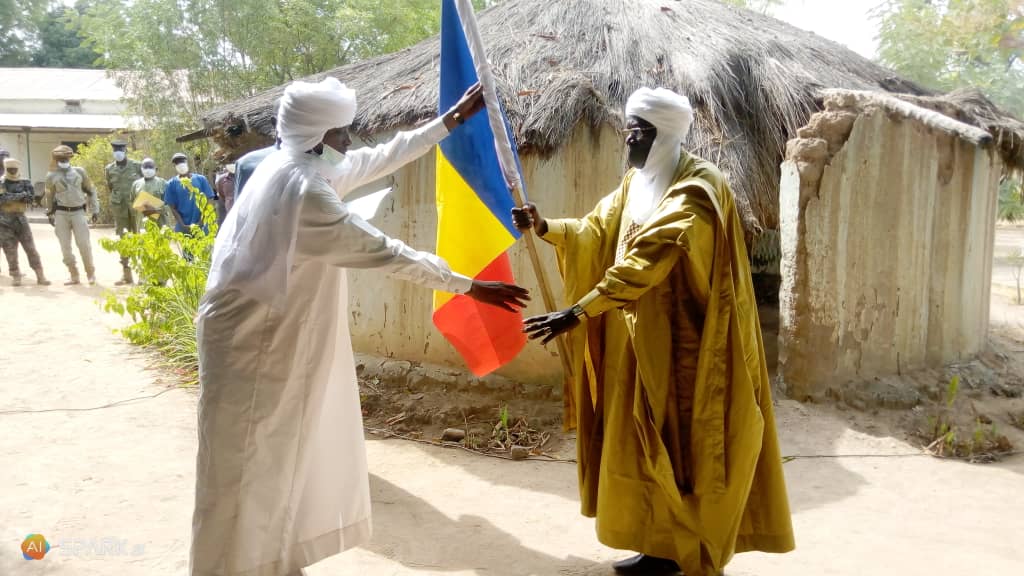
{"points": [[17, 29], [948, 44], [59, 43], [188, 55]]}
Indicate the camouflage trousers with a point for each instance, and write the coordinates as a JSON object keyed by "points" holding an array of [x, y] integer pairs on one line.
{"points": [[126, 219], [14, 230]]}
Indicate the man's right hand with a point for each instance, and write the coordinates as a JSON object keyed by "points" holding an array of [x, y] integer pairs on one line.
{"points": [[529, 217], [53, 219]]}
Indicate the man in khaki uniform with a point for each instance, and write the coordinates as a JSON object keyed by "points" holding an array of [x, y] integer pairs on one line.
{"points": [[121, 176], [68, 191]]}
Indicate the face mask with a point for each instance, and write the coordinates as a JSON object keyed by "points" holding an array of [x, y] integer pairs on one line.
{"points": [[332, 156], [331, 163], [149, 172], [181, 168], [119, 155], [64, 164], [230, 168]]}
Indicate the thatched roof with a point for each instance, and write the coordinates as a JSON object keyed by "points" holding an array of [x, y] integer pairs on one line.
{"points": [[753, 80]]}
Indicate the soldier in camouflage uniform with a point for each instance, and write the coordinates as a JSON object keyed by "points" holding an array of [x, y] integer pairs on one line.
{"points": [[121, 175], [68, 192], [16, 196]]}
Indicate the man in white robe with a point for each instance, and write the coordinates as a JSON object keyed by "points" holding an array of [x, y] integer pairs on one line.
{"points": [[281, 479]]}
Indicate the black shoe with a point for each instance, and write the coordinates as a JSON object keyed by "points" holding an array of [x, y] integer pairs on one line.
{"points": [[644, 565]]}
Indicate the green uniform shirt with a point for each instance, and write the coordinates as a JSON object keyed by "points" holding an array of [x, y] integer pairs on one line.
{"points": [[120, 180], [154, 186]]}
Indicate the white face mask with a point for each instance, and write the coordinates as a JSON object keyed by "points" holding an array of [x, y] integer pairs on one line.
{"points": [[63, 164], [148, 172], [119, 155], [230, 168], [332, 156], [181, 168]]}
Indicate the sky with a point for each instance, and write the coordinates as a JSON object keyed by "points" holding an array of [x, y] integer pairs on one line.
{"points": [[844, 21]]}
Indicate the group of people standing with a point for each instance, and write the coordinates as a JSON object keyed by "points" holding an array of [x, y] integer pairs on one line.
{"points": [[71, 203]]}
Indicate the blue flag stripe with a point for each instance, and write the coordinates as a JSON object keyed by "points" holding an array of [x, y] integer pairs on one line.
{"points": [[470, 147]]}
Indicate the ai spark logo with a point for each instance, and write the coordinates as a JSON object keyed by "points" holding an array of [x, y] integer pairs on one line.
{"points": [[34, 547]]}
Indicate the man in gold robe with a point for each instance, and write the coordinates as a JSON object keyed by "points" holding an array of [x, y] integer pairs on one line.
{"points": [[678, 456]]}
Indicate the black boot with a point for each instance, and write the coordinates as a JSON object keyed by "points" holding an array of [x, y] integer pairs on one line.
{"points": [[644, 565]]}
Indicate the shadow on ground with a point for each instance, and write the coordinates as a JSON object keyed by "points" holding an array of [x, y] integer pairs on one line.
{"points": [[410, 531]]}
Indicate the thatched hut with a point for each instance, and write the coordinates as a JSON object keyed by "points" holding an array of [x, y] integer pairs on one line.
{"points": [[565, 70]]}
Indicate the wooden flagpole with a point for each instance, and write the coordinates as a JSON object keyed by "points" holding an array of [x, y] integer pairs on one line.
{"points": [[506, 158]]}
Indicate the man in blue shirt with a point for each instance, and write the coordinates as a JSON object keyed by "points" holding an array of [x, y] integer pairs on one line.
{"points": [[246, 165], [178, 198]]}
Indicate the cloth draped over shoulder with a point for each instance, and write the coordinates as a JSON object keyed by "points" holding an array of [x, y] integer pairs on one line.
{"points": [[281, 475], [677, 449]]}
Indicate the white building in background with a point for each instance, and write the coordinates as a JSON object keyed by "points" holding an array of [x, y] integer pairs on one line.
{"points": [[41, 108]]}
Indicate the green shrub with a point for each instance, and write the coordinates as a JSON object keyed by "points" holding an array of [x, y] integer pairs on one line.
{"points": [[164, 303], [1011, 201]]}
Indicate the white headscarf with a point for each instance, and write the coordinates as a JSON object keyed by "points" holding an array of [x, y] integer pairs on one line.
{"points": [[308, 110], [255, 247], [672, 115]]}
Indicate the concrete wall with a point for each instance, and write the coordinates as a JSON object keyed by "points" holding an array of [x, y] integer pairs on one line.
{"points": [[37, 146], [86, 106], [887, 222], [393, 319]]}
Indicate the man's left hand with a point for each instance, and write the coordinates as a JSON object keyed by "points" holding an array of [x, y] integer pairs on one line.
{"points": [[499, 294], [549, 326]]}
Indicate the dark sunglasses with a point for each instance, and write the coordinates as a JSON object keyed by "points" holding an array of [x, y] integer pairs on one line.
{"points": [[637, 132]]}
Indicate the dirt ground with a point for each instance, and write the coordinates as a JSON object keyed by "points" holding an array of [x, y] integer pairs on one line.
{"points": [[110, 486]]}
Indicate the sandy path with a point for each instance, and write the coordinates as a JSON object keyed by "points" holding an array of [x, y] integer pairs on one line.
{"points": [[113, 487]]}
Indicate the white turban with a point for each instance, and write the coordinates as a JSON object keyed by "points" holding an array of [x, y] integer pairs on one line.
{"points": [[309, 110], [672, 115], [669, 112]]}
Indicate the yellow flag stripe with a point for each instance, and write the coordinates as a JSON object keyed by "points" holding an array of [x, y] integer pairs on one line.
{"points": [[469, 235]]}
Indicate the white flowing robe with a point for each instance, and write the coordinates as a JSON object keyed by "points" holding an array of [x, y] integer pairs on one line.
{"points": [[281, 479]]}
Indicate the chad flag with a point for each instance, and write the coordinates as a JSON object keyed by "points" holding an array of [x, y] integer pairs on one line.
{"points": [[474, 228]]}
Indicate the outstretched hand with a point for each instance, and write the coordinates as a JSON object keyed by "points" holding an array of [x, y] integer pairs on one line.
{"points": [[549, 326], [507, 296]]}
